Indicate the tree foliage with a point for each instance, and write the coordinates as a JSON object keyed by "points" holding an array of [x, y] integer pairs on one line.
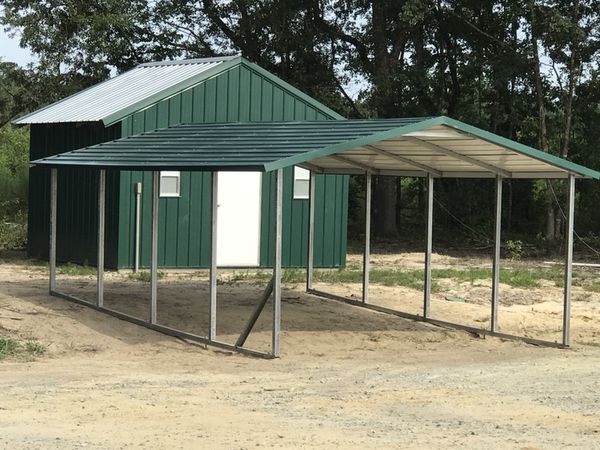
{"points": [[526, 70]]}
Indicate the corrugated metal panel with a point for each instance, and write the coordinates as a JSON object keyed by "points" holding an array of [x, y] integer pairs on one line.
{"points": [[116, 98], [240, 94], [222, 146], [331, 220], [441, 146], [77, 196], [114, 95]]}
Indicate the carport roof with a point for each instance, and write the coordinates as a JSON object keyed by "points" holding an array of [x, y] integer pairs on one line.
{"points": [[440, 146]]}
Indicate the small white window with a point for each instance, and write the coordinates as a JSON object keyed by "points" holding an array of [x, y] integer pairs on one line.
{"points": [[170, 183], [301, 183]]}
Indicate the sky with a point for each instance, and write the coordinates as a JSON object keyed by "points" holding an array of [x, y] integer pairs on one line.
{"points": [[11, 52]]}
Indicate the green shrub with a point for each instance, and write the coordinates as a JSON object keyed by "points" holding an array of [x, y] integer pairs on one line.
{"points": [[144, 276], [14, 170], [515, 248], [8, 346]]}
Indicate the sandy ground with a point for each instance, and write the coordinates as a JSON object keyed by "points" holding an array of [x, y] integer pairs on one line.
{"points": [[348, 377]]}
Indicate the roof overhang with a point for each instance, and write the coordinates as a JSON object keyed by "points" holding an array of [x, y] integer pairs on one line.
{"points": [[440, 146]]}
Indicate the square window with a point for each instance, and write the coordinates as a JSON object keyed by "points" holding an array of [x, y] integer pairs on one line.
{"points": [[170, 182], [301, 183]]}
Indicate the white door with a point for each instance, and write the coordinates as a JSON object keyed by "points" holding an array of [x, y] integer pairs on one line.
{"points": [[238, 219]]}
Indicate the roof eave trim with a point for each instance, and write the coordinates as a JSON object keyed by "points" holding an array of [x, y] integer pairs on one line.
{"points": [[52, 163], [111, 119], [560, 163], [347, 145]]}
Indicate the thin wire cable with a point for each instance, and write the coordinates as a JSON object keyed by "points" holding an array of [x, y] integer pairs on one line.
{"points": [[565, 217], [487, 239]]}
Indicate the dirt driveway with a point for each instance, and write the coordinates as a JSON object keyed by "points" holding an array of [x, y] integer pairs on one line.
{"points": [[348, 378]]}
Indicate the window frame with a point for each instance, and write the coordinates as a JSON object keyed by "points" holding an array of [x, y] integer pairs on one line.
{"points": [[301, 174], [169, 174]]}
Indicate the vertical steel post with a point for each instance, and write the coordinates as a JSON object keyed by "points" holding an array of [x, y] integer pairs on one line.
{"points": [[277, 265], [569, 261], [310, 258], [428, 248], [496, 268], [138, 225], [367, 250], [53, 205], [212, 333], [154, 237], [101, 225]]}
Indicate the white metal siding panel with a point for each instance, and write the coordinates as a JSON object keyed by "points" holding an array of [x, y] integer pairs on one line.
{"points": [[115, 94]]}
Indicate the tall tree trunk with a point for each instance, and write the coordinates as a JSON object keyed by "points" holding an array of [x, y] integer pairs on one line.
{"points": [[385, 188], [568, 97], [542, 130]]}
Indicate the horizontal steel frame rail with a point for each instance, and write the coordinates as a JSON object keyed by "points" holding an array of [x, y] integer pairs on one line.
{"points": [[152, 322], [161, 328], [436, 322]]}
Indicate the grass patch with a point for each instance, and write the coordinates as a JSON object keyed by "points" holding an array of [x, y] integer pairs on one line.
{"points": [[8, 347], [34, 348], [525, 278], [145, 276], [520, 277], [75, 270], [12, 347], [593, 287]]}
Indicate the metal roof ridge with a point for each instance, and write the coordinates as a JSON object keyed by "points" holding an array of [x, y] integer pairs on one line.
{"points": [[221, 65], [182, 62]]}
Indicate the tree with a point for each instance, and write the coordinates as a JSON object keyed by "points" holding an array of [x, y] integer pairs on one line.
{"points": [[514, 68]]}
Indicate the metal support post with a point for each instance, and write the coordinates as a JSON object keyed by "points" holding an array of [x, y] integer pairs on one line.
{"points": [[138, 225], [367, 251], [101, 225], [496, 268], [53, 205], [213, 258], [428, 249], [569, 261], [310, 258], [154, 262], [277, 265]]}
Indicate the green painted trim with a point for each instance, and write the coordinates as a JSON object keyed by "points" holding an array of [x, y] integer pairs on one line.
{"points": [[522, 148], [347, 145], [442, 120], [211, 73], [169, 92], [291, 89], [118, 116]]}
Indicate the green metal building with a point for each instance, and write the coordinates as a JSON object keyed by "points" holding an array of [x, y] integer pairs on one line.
{"points": [[158, 95]]}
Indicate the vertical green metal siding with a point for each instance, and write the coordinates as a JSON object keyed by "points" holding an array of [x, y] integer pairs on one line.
{"points": [[239, 94], [331, 217], [77, 215]]}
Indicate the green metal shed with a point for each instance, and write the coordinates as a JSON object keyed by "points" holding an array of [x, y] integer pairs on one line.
{"points": [[154, 96]]}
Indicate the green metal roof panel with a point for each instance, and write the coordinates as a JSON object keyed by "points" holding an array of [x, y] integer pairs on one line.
{"points": [[447, 146]]}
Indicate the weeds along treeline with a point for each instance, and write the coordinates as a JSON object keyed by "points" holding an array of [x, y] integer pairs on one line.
{"points": [[14, 163]]}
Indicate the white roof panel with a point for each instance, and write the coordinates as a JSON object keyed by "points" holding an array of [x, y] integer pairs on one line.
{"points": [[105, 99]]}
